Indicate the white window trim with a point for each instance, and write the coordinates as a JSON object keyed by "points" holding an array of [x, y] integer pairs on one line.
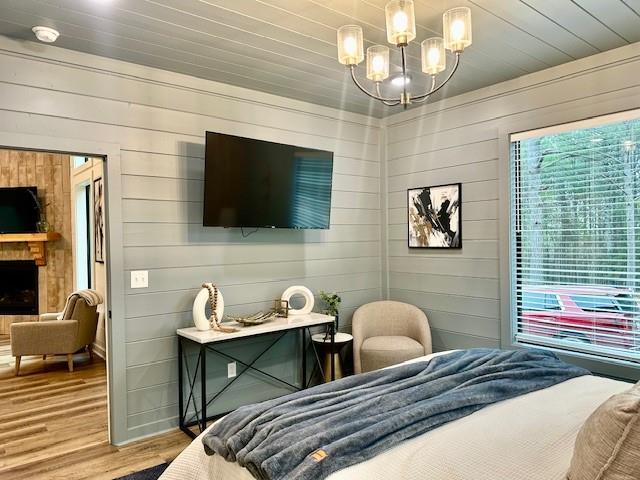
{"points": [[595, 121], [552, 118]]}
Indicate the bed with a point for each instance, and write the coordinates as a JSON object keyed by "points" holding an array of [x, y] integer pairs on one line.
{"points": [[528, 437]]}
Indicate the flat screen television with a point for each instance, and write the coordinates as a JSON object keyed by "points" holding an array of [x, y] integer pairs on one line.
{"points": [[253, 183], [19, 210]]}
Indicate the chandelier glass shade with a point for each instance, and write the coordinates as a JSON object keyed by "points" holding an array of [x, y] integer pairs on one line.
{"points": [[401, 30], [401, 22], [377, 63]]}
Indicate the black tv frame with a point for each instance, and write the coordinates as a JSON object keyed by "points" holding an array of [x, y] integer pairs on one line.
{"points": [[206, 190]]}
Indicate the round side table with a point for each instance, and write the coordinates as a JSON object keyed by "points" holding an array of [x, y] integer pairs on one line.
{"points": [[323, 344]]}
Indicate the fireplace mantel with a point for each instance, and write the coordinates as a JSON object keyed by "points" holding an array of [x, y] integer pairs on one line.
{"points": [[37, 243]]}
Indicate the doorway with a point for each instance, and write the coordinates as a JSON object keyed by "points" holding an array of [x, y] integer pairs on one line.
{"points": [[89, 259], [67, 393]]}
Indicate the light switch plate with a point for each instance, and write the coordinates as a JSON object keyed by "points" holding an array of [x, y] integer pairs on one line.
{"points": [[231, 369], [139, 279]]}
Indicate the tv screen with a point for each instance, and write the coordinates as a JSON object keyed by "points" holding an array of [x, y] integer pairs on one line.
{"points": [[19, 212], [253, 183]]}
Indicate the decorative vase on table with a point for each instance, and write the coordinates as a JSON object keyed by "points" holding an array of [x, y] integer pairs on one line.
{"points": [[210, 294], [302, 291]]}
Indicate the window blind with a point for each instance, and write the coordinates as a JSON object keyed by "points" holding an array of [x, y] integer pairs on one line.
{"points": [[575, 243]]}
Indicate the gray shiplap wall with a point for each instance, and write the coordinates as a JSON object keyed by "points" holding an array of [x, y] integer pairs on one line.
{"points": [[159, 119], [458, 140]]}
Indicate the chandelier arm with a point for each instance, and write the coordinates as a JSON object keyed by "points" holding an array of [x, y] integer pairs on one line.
{"points": [[352, 68], [420, 99], [424, 96], [404, 74], [386, 102]]}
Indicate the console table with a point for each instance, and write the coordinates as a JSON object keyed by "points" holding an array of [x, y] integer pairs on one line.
{"points": [[209, 340]]}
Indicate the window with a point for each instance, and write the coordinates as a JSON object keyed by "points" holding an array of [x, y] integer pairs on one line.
{"points": [[82, 227], [79, 161], [575, 220]]}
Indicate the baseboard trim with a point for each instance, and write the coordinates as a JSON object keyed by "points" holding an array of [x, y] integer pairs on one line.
{"points": [[99, 351], [146, 436]]}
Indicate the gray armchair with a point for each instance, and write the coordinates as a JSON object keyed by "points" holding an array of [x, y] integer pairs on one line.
{"points": [[387, 333], [49, 336]]}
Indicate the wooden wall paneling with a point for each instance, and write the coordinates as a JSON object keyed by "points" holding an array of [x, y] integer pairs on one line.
{"points": [[225, 102], [159, 120], [237, 253], [158, 303], [165, 279], [14, 165], [170, 211], [4, 167], [136, 116], [46, 171], [473, 249], [461, 290], [447, 157], [443, 340]]}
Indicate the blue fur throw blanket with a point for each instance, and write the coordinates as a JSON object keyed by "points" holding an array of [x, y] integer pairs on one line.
{"points": [[312, 433]]}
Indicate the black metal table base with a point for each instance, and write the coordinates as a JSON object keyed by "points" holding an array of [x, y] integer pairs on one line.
{"points": [[198, 415]]}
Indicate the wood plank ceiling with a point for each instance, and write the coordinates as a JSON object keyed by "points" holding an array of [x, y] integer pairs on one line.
{"points": [[288, 47]]}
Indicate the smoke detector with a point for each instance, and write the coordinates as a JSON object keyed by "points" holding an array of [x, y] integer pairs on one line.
{"points": [[46, 34]]}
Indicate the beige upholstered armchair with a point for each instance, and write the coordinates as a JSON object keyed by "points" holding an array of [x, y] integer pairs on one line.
{"points": [[64, 333], [386, 333]]}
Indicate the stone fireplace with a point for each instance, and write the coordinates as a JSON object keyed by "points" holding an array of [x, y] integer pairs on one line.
{"points": [[18, 287]]}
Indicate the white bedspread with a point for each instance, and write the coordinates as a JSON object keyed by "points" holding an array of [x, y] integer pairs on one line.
{"points": [[530, 437]]}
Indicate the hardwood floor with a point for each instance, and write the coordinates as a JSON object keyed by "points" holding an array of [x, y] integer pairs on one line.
{"points": [[53, 423]]}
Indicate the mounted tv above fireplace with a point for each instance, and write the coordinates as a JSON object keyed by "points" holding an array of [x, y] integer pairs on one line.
{"points": [[19, 210]]}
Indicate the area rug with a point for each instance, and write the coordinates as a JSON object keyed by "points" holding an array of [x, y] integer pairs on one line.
{"points": [[152, 473]]}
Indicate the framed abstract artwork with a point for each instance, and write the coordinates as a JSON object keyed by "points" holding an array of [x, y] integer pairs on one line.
{"points": [[435, 216], [98, 220]]}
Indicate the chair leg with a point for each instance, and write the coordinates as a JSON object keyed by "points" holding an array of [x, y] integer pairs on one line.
{"points": [[90, 352], [70, 361], [44, 357], [17, 365]]}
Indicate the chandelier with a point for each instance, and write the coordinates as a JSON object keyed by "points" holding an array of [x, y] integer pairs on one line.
{"points": [[401, 29]]}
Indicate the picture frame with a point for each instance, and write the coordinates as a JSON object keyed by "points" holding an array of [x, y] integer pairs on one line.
{"points": [[434, 216], [98, 220]]}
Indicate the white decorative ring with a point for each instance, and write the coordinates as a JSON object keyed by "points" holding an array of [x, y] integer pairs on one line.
{"points": [[200, 319], [308, 297]]}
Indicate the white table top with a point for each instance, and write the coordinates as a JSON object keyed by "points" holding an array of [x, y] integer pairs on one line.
{"points": [[276, 325]]}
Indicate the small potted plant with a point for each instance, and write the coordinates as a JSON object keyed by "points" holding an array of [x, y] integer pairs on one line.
{"points": [[42, 225], [332, 301]]}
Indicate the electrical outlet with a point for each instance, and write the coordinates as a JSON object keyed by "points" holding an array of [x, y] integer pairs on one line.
{"points": [[231, 370], [140, 279]]}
